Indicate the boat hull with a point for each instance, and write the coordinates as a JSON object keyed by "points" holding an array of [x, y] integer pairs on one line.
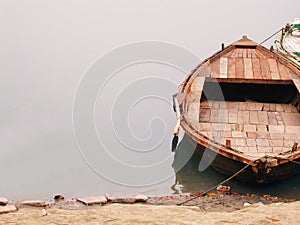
{"points": [[228, 167]]}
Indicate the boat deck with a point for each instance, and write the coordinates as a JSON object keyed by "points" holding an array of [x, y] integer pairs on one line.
{"points": [[250, 127]]}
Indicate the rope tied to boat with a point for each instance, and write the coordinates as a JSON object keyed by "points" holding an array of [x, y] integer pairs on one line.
{"points": [[214, 187], [291, 160], [270, 36]]}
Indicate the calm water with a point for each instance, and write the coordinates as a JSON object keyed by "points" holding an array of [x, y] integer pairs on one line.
{"points": [[189, 179], [48, 46], [133, 121]]}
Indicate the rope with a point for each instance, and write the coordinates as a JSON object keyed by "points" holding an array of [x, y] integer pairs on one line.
{"points": [[214, 187], [271, 36], [293, 161]]}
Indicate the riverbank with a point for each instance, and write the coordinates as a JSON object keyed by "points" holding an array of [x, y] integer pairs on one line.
{"points": [[285, 213], [213, 208]]}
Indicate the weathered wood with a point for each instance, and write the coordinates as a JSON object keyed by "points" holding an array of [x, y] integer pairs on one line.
{"points": [[272, 118], [266, 74], [228, 143], [231, 68], [253, 117], [274, 69], [215, 68], [223, 67], [283, 72], [256, 67], [239, 68], [244, 131], [248, 68], [295, 146], [204, 115], [233, 116]]}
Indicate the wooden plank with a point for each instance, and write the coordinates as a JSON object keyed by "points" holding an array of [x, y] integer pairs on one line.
{"points": [[223, 67], [251, 105], [222, 116], [240, 53], [245, 53], [252, 53], [253, 117], [256, 69], [297, 84], [248, 68], [242, 105], [272, 107], [243, 117], [205, 104], [231, 105], [291, 119], [272, 118], [200, 82], [215, 105], [204, 115], [234, 53], [213, 115], [239, 68], [279, 108], [233, 116], [274, 69], [215, 68], [249, 55], [262, 117], [193, 112], [284, 75], [266, 107], [205, 126], [266, 74], [279, 118], [231, 68]]}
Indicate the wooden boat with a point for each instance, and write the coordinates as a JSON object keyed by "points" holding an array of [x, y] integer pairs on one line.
{"points": [[288, 42], [242, 105]]}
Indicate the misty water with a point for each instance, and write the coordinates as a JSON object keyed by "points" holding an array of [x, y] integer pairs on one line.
{"points": [[127, 151]]}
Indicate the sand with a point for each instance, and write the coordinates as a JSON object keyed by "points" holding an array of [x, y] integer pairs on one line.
{"points": [[286, 213]]}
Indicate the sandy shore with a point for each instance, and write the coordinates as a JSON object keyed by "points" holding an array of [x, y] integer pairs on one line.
{"points": [[286, 213]]}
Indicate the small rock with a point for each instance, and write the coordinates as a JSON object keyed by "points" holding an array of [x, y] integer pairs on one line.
{"points": [[118, 199], [141, 198], [8, 209], [3, 201], [92, 200], [44, 212], [124, 200], [34, 203], [278, 203], [260, 203], [246, 204], [59, 198], [224, 189]]}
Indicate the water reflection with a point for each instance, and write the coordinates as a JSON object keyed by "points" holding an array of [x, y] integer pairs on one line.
{"points": [[189, 179]]}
